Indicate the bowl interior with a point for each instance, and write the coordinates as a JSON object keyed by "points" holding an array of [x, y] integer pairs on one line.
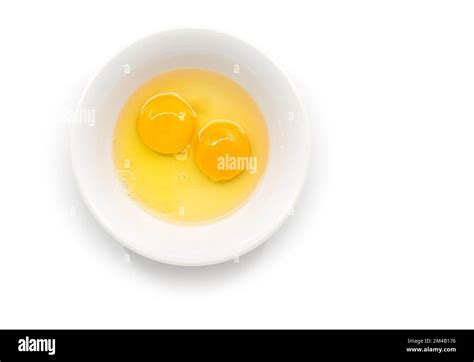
{"points": [[206, 243]]}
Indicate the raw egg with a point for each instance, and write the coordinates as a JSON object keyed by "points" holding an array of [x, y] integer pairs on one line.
{"points": [[190, 145]]}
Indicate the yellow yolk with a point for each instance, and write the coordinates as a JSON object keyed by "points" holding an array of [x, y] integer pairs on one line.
{"points": [[218, 142], [166, 123]]}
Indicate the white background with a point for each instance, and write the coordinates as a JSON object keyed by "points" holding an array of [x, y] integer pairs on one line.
{"points": [[383, 236]]}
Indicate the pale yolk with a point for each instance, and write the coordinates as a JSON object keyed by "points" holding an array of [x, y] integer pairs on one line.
{"points": [[217, 142], [166, 123]]}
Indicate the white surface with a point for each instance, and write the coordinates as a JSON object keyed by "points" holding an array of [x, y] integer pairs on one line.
{"points": [[384, 235], [208, 243]]}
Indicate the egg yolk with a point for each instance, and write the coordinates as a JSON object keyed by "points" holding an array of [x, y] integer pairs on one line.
{"points": [[166, 123], [218, 143]]}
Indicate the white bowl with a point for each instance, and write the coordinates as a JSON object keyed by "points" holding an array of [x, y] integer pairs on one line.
{"points": [[210, 243]]}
